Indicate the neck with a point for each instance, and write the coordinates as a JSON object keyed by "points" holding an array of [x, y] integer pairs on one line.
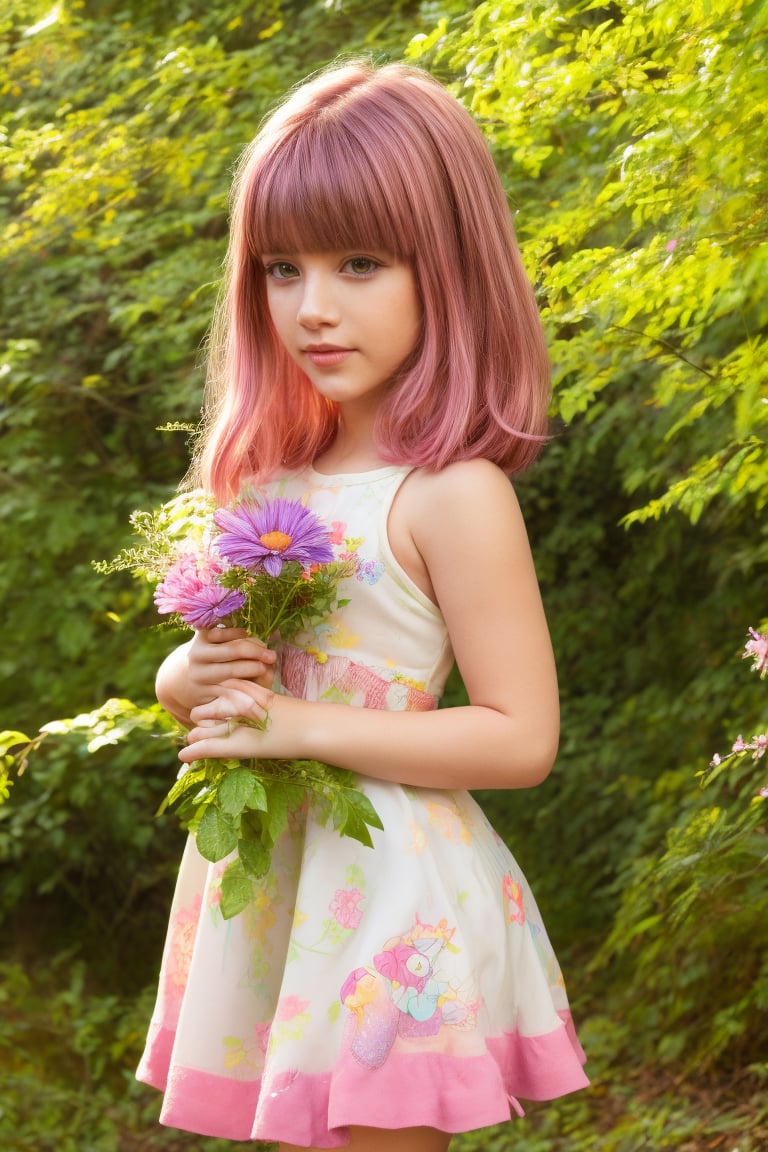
{"points": [[353, 449]]}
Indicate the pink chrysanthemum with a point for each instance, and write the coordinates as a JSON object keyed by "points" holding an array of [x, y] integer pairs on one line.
{"points": [[264, 536], [191, 590]]}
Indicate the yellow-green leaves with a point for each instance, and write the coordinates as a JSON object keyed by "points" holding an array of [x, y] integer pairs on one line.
{"points": [[632, 142]]}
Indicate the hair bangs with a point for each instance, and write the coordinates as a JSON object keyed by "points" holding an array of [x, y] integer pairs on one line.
{"points": [[320, 192]]}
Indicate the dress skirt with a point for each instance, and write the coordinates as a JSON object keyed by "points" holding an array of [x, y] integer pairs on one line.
{"points": [[412, 983]]}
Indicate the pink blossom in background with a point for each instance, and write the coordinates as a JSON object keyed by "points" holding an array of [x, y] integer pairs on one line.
{"points": [[756, 649], [345, 907]]}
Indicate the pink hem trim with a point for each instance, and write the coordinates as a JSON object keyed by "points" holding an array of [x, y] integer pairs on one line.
{"points": [[541, 1067], [156, 1060], [451, 1093]]}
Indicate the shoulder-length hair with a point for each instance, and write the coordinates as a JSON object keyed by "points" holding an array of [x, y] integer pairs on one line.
{"points": [[376, 158]]}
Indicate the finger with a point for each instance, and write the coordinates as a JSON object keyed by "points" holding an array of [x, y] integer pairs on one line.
{"points": [[246, 659], [239, 644], [218, 744], [250, 701], [245, 671], [211, 749], [229, 701], [211, 730]]}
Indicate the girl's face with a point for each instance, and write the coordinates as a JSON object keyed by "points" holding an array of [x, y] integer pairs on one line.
{"points": [[348, 318]]}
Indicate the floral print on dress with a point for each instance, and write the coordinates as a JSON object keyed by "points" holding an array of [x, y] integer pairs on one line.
{"points": [[346, 907], [371, 571], [181, 942], [418, 842], [513, 895], [444, 815], [405, 994], [291, 1018], [242, 1056]]}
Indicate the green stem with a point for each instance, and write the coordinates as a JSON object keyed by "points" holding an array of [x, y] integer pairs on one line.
{"points": [[278, 615]]}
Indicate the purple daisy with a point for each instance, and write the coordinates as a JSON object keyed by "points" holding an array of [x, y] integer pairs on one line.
{"points": [[190, 590], [266, 535]]}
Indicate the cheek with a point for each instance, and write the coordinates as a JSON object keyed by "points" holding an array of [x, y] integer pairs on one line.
{"points": [[279, 309]]}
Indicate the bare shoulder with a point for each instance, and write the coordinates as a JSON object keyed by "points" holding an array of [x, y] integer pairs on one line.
{"points": [[452, 518], [470, 495], [464, 475]]}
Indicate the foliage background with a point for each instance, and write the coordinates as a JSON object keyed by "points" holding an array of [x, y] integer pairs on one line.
{"points": [[630, 136]]}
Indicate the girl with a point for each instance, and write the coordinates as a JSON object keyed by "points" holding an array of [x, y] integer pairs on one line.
{"points": [[377, 353]]}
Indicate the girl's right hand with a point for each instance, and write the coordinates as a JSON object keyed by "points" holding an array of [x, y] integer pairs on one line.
{"points": [[194, 673], [218, 654]]}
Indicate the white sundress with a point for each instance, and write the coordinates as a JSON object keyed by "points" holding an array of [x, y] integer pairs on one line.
{"points": [[408, 984]]}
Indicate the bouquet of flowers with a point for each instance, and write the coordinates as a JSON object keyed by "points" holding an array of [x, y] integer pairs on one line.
{"points": [[267, 567]]}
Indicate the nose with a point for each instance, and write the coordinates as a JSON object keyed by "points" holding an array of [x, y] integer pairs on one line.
{"points": [[318, 305]]}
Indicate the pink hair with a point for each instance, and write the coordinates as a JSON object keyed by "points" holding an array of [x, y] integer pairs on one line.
{"points": [[385, 158]]}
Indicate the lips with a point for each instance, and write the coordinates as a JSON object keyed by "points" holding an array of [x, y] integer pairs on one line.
{"points": [[326, 355]]}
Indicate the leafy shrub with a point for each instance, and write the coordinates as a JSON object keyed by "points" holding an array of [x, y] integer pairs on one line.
{"points": [[83, 865], [67, 1058]]}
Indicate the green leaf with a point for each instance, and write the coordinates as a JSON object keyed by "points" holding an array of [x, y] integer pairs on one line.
{"points": [[236, 890], [216, 835], [184, 784], [277, 813], [258, 797], [351, 817], [364, 808], [235, 790], [11, 740], [255, 858]]}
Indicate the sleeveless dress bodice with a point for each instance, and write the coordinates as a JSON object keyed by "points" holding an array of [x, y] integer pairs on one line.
{"points": [[387, 646]]}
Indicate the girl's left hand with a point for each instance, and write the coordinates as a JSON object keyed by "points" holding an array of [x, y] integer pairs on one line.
{"points": [[224, 728], [243, 698]]}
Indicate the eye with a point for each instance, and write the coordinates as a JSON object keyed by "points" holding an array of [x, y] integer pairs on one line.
{"points": [[361, 265], [281, 270]]}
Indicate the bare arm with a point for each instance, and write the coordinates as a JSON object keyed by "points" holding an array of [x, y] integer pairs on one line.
{"points": [[467, 530]]}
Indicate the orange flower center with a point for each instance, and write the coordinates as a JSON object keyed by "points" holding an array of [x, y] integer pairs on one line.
{"points": [[275, 541]]}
